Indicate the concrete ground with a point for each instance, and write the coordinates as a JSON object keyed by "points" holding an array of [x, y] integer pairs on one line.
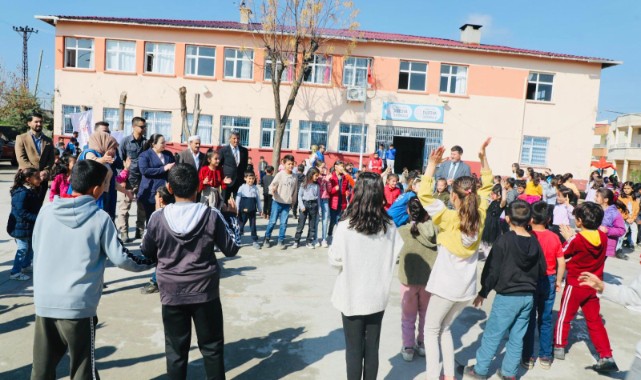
{"points": [[279, 322]]}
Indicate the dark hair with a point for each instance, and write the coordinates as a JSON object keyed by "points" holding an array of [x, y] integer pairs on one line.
{"points": [[441, 180], [624, 195], [235, 133], [34, 115], [62, 167], [137, 119], [249, 173], [536, 178], [519, 212], [540, 213], [519, 173], [417, 214], [597, 182], [269, 169], [567, 176], [590, 214], [21, 177], [87, 174], [365, 213], [497, 189], [101, 124], [153, 139], [288, 157], [310, 174], [565, 191], [465, 188], [210, 155], [301, 168], [520, 183], [392, 175], [516, 166], [511, 182], [606, 194], [165, 195], [457, 148], [183, 180]]}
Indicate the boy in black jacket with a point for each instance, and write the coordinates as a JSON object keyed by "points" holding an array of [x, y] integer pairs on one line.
{"points": [[181, 237], [513, 268], [265, 182]]}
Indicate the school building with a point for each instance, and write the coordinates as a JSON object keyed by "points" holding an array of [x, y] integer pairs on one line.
{"points": [[619, 143], [539, 107]]}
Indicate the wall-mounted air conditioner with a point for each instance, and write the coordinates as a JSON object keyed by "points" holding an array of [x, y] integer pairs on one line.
{"points": [[356, 94]]}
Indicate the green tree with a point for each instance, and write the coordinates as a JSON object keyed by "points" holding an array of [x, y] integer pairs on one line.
{"points": [[17, 103]]}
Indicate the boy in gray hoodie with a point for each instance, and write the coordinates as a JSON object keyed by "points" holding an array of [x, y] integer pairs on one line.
{"points": [[72, 239]]}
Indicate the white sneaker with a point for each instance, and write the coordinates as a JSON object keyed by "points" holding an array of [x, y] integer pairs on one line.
{"points": [[407, 353], [324, 244], [420, 348], [19, 276], [317, 245], [310, 245]]}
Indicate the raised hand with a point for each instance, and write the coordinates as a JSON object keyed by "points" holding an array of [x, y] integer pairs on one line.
{"points": [[436, 156], [483, 147]]}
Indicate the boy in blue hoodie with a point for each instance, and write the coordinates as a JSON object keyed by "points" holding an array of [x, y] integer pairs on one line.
{"points": [[68, 278], [181, 237]]}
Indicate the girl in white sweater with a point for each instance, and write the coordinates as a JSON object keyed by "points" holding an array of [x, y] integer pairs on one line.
{"points": [[365, 247]]}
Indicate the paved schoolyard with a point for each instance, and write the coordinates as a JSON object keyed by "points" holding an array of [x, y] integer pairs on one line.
{"points": [[279, 322]]}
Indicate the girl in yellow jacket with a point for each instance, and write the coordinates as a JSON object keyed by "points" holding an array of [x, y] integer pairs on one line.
{"points": [[629, 199], [452, 282]]}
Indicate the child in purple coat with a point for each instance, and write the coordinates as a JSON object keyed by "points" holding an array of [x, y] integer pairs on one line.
{"points": [[613, 224]]}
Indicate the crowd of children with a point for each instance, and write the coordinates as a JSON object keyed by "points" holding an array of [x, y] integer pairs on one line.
{"points": [[525, 226]]}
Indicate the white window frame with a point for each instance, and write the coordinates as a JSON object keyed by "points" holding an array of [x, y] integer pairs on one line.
{"points": [[324, 66], [410, 71], [153, 126], [117, 50], [111, 116], [350, 134], [154, 52], [78, 52], [351, 64], [196, 58], [527, 150], [205, 124], [306, 127], [535, 79], [67, 110], [246, 56], [269, 126], [235, 123], [287, 75], [453, 78]]}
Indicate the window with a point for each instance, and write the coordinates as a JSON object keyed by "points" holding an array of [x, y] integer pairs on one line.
{"points": [[121, 56], [287, 75], [352, 138], [239, 64], [67, 126], [79, 52], [228, 124], [200, 61], [158, 122], [110, 115], [268, 131], [534, 151], [412, 76], [312, 133], [539, 87], [319, 70], [355, 71], [159, 58], [205, 125], [454, 79]]}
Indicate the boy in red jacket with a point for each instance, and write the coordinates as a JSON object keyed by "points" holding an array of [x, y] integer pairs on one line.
{"points": [[584, 252]]}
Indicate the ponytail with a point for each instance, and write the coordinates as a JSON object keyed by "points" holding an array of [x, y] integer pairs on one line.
{"points": [[21, 177], [465, 188], [417, 215]]}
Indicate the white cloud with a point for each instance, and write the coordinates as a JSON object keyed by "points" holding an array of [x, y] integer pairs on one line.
{"points": [[489, 30]]}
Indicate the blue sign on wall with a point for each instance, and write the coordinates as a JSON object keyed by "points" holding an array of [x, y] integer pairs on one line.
{"points": [[413, 112]]}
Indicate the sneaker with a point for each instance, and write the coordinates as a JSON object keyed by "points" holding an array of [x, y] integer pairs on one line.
{"points": [[605, 365], [407, 353], [420, 348], [620, 255], [317, 245], [267, 243], [256, 245], [282, 245], [28, 270], [150, 288], [19, 276], [502, 377], [310, 245], [293, 246], [324, 244], [527, 363], [559, 353], [124, 237], [545, 363], [470, 373]]}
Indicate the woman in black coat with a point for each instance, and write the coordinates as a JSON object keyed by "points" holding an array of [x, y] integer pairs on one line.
{"points": [[154, 163]]}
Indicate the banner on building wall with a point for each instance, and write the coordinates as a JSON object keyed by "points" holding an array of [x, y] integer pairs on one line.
{"points": [[82, 123], [413, 112]]}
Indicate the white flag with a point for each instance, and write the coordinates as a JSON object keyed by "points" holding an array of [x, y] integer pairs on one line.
{"points": [[82, 123]]}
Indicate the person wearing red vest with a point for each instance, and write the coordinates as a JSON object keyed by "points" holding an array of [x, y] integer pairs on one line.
{"points": [[375, 164]]}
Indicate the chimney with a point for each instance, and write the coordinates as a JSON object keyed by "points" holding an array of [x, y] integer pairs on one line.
{"points": [[245, 13], [471, 34]]}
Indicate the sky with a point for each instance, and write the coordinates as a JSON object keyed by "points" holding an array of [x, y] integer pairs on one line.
{"points": [[606, 29]]}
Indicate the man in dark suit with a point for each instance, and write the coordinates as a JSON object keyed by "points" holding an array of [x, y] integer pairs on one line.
{"points": [[453, 168], [233, 159], [35, 150], [192, 155]]}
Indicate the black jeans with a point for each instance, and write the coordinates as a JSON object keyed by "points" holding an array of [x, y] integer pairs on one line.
{"points": [[334, 217], [267, 204], [362, 337], [311, 214], [251, 217], [208, 320]]}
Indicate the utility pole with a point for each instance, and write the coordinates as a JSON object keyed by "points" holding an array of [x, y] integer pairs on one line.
{"points": [[26, 33]]}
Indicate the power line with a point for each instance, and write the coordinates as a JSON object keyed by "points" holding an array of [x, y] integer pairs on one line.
{"points": [[26, 33]]}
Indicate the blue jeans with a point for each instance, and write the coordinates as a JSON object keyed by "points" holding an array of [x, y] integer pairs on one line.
{"points": [[279, 210], [324, 218], [334, 217], [543, 303], [24, 255], [510, 314]]}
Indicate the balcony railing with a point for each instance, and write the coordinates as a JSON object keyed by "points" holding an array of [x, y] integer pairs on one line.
{"points": [[600, 146], [623, 146]]}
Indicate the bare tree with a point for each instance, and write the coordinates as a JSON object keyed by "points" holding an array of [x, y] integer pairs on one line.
{"points": [[292, 32]]}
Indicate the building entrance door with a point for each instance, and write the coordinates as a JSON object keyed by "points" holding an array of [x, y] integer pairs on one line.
{"points": [[409, 153], [407, 140]]}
